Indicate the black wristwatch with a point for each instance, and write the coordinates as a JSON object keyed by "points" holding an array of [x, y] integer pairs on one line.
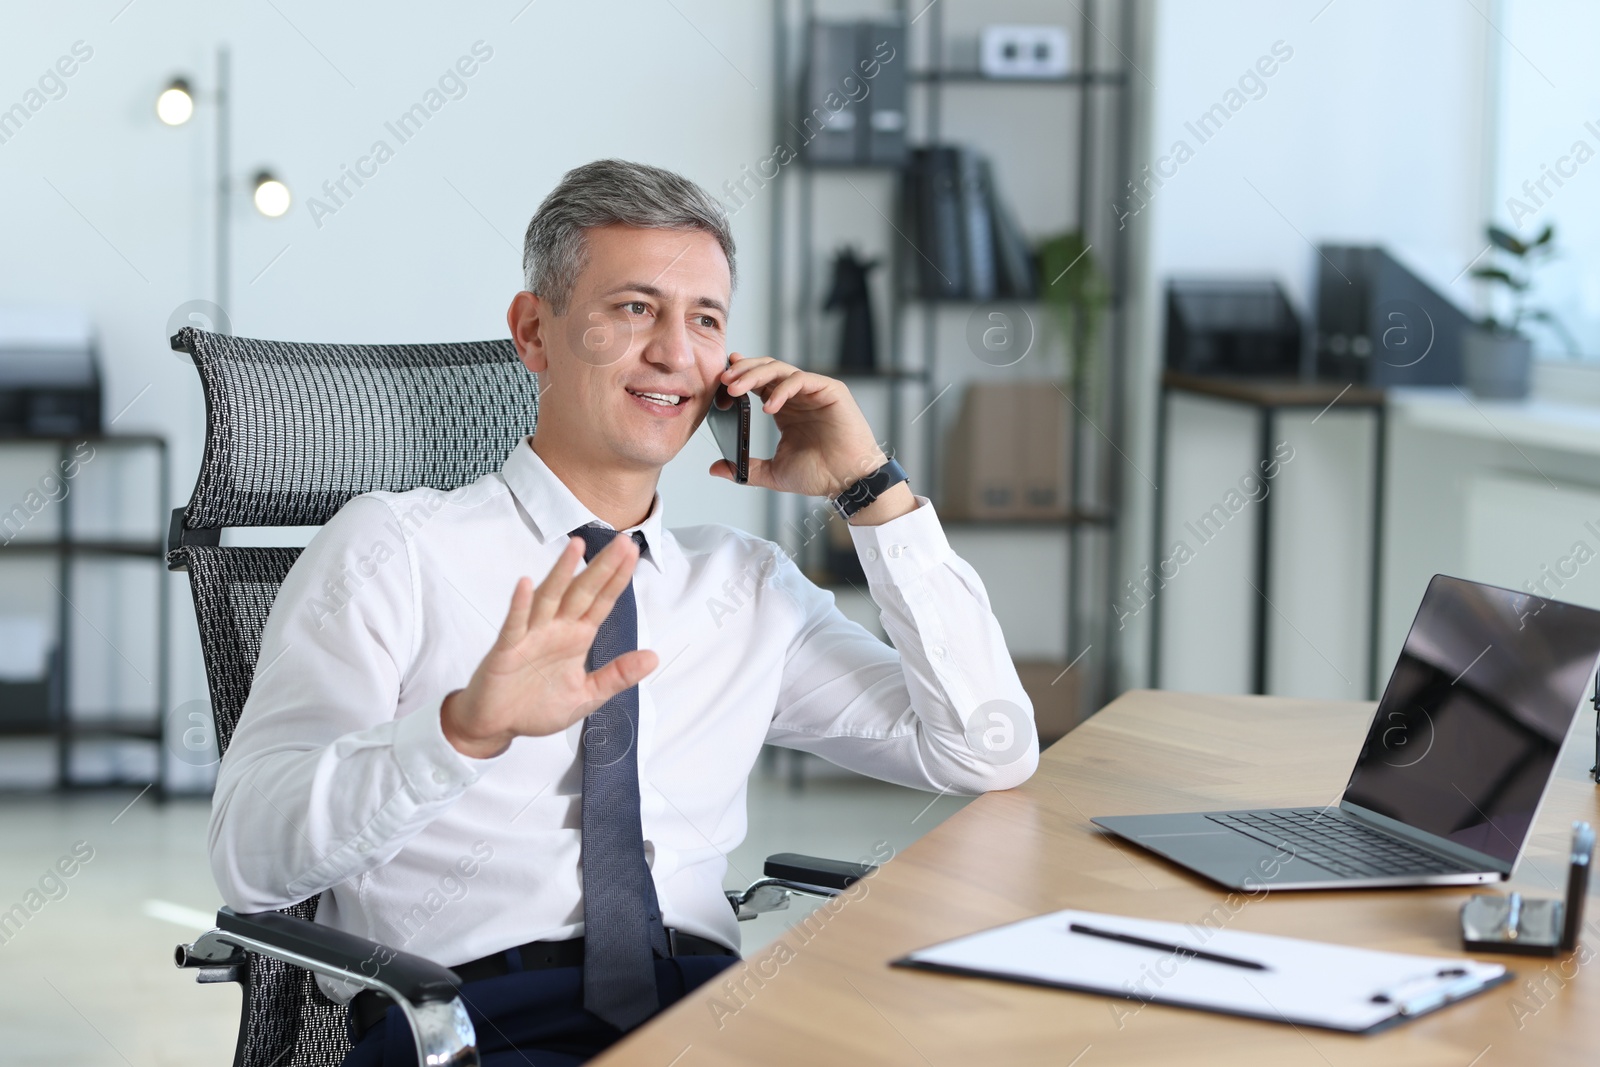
{"points": [[859, 494]]}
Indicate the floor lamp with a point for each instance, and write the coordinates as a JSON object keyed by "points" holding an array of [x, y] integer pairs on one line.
{"points": [[174, 107]]}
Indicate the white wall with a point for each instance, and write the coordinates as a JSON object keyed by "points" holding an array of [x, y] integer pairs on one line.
{"points": [[1371, 131], [1548, 105], [106, 208]]}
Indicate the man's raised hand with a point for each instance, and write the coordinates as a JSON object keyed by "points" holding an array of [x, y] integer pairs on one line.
{"points": [[535, 681]]}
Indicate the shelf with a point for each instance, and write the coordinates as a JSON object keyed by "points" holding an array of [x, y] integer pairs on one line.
{"points": [[824, 167], [93, 438], [113, 729], [898, 374], [974, 77], [59, 552], [1095, 136], [103, 729], [921, 302], [1064, 522], [88, 548], [912, 301]]}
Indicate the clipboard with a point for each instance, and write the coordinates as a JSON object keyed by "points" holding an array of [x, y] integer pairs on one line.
{"points": [[1258, 976]]}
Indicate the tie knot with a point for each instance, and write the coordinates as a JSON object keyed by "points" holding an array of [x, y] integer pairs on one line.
{"points": [[597, 537]]}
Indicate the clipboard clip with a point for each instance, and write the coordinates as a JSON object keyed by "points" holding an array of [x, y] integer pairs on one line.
{"points": [[1424, 992]]}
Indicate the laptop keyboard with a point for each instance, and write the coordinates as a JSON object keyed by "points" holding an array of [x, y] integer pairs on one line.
{"points": [[1341, 846]]}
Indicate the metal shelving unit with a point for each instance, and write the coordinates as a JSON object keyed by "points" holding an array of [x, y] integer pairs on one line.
{"points": [[1102, 153], [69, 725]]}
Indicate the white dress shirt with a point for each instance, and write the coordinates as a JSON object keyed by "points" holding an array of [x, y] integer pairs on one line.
{"points": [[339, 779]]}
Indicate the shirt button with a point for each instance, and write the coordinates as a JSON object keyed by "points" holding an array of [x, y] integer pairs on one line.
{"points": [[440, 777], [938, 650], [895, 550], [872, 553]]}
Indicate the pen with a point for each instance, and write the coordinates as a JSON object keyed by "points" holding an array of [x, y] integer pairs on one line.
{"points": [[1182, 950]]}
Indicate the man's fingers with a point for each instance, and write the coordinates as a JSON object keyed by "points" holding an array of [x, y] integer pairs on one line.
{"points": [[628, 669], [580, 595], [754, 376], [724, 470], [516, 623], [760, 473], [547, 598], [607, 594], [783, 391]]}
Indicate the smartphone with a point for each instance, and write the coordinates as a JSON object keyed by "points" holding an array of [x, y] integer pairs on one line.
{"points": [[729, 417]]}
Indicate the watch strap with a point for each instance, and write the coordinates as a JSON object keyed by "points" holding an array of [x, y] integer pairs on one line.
{"points": [[864, 491]]}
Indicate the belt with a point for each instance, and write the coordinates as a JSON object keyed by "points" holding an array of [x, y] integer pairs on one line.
{"points": [[368, 1007]]}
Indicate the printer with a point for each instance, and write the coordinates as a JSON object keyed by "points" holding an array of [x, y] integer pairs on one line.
{"points": [[49, 373]]}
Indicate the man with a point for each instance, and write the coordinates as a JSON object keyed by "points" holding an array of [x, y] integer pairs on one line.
{"points": [[543, 797]]}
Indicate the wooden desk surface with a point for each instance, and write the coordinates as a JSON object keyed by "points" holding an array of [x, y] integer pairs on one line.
{"points": [[825, 995]]}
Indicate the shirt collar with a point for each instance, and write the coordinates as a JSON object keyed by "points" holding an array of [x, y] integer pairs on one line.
{"points": [[556, 512]]}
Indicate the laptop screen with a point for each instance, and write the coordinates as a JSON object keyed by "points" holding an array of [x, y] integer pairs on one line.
{"points": [[1467, 733]]}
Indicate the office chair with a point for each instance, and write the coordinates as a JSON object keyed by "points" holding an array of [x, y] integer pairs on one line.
{"points": [[293, 431]]}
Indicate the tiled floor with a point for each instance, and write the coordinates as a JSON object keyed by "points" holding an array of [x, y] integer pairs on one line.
{"points": [[88, 979]]}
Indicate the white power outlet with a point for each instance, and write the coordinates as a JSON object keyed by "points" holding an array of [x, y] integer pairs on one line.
{"points": [[1007, 51]]}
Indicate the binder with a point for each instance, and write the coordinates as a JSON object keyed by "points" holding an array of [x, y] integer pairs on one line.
{"points": [[964, 243], [1259, 976], [884, 132], [829, 135], [932, 194], [977, 229], [1015, 274]]}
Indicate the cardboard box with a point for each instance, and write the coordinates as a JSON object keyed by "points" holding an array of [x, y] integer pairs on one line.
{"points": [[1057, 698], [1047, 453], [1008, 453]]}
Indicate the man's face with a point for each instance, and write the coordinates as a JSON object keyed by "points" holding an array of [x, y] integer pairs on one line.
{"points": [[648, 315]]}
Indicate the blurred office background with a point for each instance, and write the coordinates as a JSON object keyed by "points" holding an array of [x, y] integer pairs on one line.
{"points": [[1177, 311]]}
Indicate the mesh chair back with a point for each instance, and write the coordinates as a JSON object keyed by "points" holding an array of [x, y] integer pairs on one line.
{"points": [[293, 431]]}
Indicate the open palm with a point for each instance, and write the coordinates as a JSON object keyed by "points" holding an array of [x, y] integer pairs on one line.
{"points": [[535, 681]]}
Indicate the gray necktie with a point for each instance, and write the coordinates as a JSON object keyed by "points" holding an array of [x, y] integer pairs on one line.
{"points": [[621, 918]]}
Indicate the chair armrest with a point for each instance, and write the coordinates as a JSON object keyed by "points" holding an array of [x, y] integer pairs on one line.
{"points": [[790, 872], [415, 979], [836, 875], [424, 990]]}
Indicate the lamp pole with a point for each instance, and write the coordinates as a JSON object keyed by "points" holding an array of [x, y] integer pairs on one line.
{"points": [[175, 106], [224, 123]]}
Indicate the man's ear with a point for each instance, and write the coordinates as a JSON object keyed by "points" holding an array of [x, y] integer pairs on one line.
{"points": [[529, 318]]}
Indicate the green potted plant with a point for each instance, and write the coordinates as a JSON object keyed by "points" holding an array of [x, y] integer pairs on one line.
{"points": [[1073, 286], [1497, 355]]}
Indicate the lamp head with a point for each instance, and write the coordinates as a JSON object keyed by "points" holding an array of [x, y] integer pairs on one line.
{"points": [[271, 195], [175, 105]]}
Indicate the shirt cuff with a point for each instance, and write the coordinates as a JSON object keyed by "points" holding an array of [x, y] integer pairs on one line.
{"points": [[431, 765], [902, 548]]}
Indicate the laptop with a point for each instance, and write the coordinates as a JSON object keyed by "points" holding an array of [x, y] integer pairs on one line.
{"points": [[1455, 765]]}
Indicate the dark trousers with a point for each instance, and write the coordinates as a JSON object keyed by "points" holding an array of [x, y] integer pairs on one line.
{"points": [[533, 1017]]}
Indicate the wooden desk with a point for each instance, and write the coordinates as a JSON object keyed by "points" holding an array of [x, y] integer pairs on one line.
{"points": [[829, 997]]}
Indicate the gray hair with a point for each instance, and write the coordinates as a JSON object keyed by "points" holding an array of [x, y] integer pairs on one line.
{"points": [[608, 192]]}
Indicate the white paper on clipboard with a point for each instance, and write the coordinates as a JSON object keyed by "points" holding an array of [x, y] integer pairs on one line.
{"points": [[1309, 983]]}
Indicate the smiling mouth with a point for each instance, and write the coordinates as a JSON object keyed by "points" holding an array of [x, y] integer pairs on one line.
{"points": [[670, 400]]}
